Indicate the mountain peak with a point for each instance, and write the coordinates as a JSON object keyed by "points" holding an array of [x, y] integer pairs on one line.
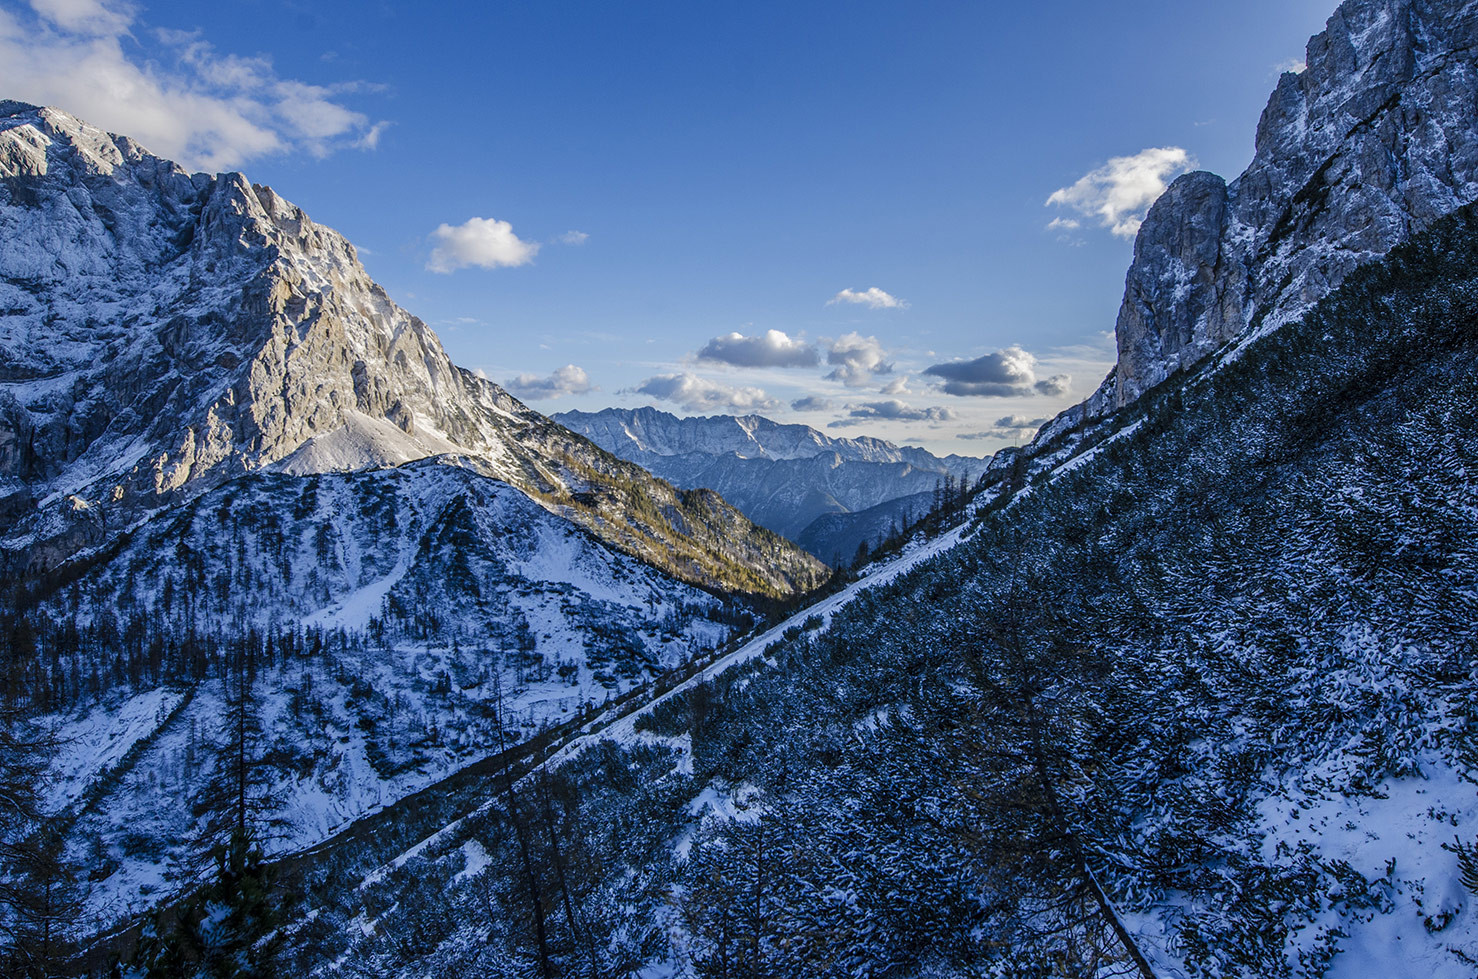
{"points": [[164, 333], [1371, 142]]}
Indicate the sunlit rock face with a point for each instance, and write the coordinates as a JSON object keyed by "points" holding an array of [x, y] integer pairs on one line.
{"points": [[1374, 140], [162, 333]]}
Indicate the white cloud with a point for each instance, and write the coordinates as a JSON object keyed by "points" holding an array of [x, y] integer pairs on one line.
{"points": [[1295, 65], [183, 99], [811, 403], [894, 410], [1007, 373], [573, 238], [484, 242], [89, 17], [701, 394], [568, 379], [873, 298], [1055, 386], [1064, 224], [856, 359], [772, 349], [1009, 427], [897, 386], [1118, 193]]}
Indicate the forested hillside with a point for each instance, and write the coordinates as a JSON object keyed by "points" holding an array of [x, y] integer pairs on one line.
{"points": [[1205, 692]]}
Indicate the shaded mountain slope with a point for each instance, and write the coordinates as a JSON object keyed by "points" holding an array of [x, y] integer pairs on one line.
{"points": [[1221, 668]]}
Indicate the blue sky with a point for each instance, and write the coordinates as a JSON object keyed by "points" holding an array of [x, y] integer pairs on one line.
{"points": [[823, 200]]}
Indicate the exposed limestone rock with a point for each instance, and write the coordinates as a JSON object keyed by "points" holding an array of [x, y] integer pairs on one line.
{"points": [[162, 333], [1372, 142]]}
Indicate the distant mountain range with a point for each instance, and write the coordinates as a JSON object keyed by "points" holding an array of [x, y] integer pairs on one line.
{"points": [[827, 494]]}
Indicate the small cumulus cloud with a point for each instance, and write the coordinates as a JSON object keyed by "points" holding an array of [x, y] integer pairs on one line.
{"points": [[1064, 224], [1294, 65], [893, 410], [483, 242], [172, 90], [1011, 426], [1055, 386], [812, 403], [568, 379], [772, 349], [573, 238], [897, 386], [1118, 193], [1007, 373], [855, 359], [701, 394], [1018, 421], [872, 298]]}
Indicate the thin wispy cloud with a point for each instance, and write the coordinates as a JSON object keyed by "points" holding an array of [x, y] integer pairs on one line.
{"points": [[1118, 194], [702, 394], [812, 403], [565, 380], [188, 101], [573, 238], [1007, 373], [873, 298], [773, 348], [481, 242]]}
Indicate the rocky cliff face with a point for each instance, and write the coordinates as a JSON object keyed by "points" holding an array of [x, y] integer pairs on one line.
{"points": [[162, 333], [1373, 141]]}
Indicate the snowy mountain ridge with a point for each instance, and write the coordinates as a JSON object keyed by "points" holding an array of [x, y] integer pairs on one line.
{"points": [[165, 333], [226, 456], [827, 494], [650, 432]]}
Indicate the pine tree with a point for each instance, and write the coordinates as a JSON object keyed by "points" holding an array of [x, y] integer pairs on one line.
{"points": [[27, 855], [46, 902], [225, 931]]}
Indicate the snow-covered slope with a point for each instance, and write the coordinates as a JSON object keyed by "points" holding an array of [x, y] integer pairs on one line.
{"points": [[224, 451], [391, 617], [1198, 683], [162, 333], [1211, 681], [784, 477]]}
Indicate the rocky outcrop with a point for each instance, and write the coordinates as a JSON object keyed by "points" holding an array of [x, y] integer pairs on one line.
{"points": [[1373, 141], [162, 333]]}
